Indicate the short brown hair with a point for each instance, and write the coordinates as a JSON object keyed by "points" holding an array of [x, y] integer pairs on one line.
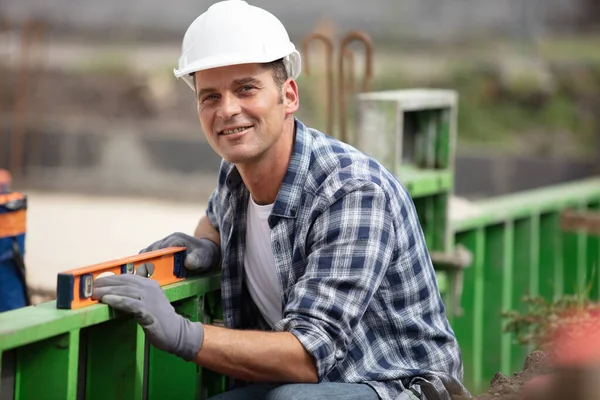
{"points": [[278, 70]]}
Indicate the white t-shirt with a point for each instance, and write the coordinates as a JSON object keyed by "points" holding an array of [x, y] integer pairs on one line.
{"points": [[259, 263]]}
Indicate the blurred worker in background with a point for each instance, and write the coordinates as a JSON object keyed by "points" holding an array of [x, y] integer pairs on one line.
{"points": [[328, 290]]}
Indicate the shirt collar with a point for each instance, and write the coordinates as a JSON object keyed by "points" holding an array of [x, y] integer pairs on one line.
{"points": [[288, 198]]}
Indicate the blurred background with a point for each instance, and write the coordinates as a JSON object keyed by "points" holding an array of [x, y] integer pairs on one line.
{"points": [[106, 144]]}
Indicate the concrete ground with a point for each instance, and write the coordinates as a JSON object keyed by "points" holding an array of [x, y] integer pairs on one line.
{"points": [[72, 231]]}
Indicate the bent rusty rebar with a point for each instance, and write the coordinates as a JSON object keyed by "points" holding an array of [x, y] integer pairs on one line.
{"points": [[351, 36], [349, 81], [30, 32], [5, 26], [326, 40]]}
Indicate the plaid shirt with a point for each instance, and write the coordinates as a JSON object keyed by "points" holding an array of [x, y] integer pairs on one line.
{"points": [[359, 290]]}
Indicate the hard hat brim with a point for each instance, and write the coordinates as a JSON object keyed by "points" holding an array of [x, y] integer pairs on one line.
{"points": [[223, 60]]}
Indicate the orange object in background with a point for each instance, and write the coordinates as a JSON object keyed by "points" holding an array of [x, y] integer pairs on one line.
{"points": [[75, 287], [13, 213], [575, 361], [13, 227], [577, 343]]}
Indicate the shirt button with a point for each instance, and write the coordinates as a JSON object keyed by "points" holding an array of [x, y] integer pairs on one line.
{"points": [[339, 355]]}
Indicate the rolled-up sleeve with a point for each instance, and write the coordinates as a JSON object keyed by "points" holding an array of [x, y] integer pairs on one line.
{"points": [[349, 247]]}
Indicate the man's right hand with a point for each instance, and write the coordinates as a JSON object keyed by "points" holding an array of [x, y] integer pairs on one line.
{"points": [[202, 254]]}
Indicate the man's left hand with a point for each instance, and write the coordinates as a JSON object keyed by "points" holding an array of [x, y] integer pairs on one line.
{"points": [[145, 299]]}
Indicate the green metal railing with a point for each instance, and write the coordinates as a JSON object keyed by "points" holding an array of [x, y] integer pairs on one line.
{"points": [[519, 249], [96, 353]]}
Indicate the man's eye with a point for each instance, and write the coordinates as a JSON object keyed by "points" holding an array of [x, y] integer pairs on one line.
{"points": [[247, 88], [210, 97]]}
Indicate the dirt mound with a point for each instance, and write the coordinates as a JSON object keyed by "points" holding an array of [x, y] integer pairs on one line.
{"points": [[510, 387]]}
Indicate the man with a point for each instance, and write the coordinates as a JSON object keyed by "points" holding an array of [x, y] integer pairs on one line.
{"points": [[327, 287]]}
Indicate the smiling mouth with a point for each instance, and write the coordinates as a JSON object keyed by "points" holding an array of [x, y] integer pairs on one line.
{"points": [[233, 131]]}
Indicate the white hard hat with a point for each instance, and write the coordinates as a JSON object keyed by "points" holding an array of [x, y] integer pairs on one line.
{"points": [[233, 32]]}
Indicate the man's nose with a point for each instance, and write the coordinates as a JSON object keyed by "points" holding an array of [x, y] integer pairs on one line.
{"points": [[229, 106]]}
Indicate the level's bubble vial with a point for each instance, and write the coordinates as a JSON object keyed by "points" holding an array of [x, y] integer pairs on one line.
{"points": [[127, 268], [87, 286]]}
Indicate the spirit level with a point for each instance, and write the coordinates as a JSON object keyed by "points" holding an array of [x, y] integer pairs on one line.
{"points": [[75, 287]]}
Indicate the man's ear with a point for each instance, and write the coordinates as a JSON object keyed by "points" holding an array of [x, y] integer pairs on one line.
{"points": [[291, 98]]}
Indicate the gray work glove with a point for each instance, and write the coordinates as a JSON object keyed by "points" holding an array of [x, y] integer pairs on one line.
{"points": [[202, 254], [144, 298]]}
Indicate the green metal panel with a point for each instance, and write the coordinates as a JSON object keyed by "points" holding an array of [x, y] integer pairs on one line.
{"points": [[571, 267], [518, 284], [112, 367], [468, 326], [444, 144], [550, 256], [492, 272], [432, 212], [212, 382], [510, 270], [168, 374], [48, 369]]}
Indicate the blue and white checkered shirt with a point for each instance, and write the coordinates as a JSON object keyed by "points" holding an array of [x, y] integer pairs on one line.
{"points": [[359, 290]]}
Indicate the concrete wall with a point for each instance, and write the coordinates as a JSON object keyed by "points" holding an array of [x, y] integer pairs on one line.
{"points": [[408, 19]]}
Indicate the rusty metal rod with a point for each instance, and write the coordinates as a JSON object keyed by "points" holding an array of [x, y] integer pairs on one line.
{"points": [[31, 33], [328, 42], [20, 106], [349, 60], [35, 151], [350, 37], [5, 25], [578, 221]]}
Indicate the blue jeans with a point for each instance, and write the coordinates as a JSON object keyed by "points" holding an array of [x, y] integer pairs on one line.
{"points": [[301, 391]]}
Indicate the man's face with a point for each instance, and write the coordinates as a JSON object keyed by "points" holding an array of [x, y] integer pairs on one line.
{"points": [[242, 110]]}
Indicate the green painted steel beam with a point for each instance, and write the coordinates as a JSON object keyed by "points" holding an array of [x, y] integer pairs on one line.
{"points": [[31, 324], [508, 282], [114, 360], [425, 182], [443, 144], [492, 302], [522, 205], [478, 309], [464, 324]]}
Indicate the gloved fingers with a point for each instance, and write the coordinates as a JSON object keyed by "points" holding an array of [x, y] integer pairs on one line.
{"points": [[154, 246], [123, 291], [125, 304], [174, 241], [145, 270], [120, 280], [198, 259]]}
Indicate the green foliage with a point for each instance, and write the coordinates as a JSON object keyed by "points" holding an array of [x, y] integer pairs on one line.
{"points": [[537, 326], [104, 63]]}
